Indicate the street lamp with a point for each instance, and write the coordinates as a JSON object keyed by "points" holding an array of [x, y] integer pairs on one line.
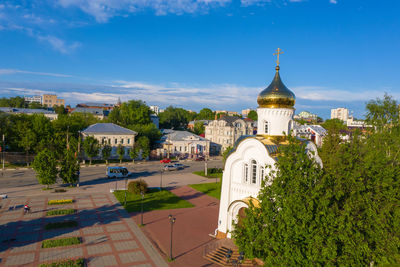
{"points": [[126, 180], [172, 221], [235, 262], [161, 171], [141, 216]]}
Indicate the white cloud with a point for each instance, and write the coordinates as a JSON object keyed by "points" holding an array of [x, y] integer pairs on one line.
{"points": [[59, 44], [14, 71], [333, 1]]}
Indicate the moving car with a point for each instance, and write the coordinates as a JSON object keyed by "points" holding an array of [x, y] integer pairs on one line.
{"points": [[117, 172], [200, 159], [170, 168], [179, 166], [165, 161]]}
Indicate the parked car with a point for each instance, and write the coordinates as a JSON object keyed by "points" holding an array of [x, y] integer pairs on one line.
{"points": [[117, 172], [170, 168], [165, 161], [179, 166], [200, 159]]}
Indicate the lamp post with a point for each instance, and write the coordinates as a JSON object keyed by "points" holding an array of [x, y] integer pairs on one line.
{"points": [[161, 171], [172, 221], [141, 210], [126, 180]]}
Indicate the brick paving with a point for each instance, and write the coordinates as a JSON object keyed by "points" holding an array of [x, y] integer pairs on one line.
{"points": [[191, 229], [110, 237]]}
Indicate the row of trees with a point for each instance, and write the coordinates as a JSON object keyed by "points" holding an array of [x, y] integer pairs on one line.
{"points": [[346, 213]]}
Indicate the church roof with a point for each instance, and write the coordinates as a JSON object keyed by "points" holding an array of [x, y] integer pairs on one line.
{"points": [[276, 95]]}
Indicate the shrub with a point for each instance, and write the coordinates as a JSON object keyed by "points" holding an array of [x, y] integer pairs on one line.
{"points": [[215, 170], [60, 201], [65, 263], [60, 212], [135, 187], [60, 190], [57, 225], [68, 241]]}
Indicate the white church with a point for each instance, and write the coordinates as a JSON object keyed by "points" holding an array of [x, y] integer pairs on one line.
{"points": [[245, 166]]}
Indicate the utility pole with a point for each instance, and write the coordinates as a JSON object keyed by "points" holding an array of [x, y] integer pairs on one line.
{"points": [[2, 151]]}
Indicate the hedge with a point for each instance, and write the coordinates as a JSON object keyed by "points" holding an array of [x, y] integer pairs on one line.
{"points": [[60, 201], [57, 225], [68, 241], [65, 263], [60, 212]]}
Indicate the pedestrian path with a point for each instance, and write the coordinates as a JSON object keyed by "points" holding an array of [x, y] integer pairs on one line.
{"points": [[110, 236], [190, 231]]}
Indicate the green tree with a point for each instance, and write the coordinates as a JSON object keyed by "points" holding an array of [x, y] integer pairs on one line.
{"points": [[334, 125], [28, 137], [383, 113], [120, 152], [174, 118], [226, 153], [131, 113], [199, 127], [205, 114], [91, 147], [45, 166], [134, 152], [143, 144], [60, 110], [69, 167], [253, 115], [106, 152], [148, 130], [13, 102]]}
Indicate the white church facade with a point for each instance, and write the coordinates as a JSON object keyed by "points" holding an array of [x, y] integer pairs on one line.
{"points": [[245, 167]]}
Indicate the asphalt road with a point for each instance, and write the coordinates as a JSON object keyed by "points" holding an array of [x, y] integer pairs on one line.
{"points": [[19, 178]]}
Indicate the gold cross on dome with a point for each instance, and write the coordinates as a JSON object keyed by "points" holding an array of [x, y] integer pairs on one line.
{"points": [[278, 52]]}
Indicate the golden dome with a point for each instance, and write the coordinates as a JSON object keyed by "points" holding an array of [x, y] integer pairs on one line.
{"points": [[276, 95]]}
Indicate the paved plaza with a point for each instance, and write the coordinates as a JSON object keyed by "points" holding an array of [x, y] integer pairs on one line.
{"points": [[110, 237]]}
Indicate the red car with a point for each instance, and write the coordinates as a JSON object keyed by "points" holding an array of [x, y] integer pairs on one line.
{"points": [[165, 161]]}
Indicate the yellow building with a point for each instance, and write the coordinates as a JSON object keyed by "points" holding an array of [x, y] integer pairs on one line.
{"points": [[52, 100]]}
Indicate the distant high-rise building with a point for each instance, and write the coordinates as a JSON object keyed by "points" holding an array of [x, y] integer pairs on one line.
{"points": [[155, 109], [340, 113], [245, 112]]}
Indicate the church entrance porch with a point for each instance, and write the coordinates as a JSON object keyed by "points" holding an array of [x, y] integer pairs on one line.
{"points": [[236, 210]]}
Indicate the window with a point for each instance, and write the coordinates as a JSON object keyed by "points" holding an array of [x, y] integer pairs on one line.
{"points": [[246, 173], [128, 141], [266, 127], [122, 140], [109, 141], [253, 172], [115, 141]]}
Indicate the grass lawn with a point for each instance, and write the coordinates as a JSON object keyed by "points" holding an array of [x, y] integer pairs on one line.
{"points": [[209, 175], [211, 189], [153, 200]]}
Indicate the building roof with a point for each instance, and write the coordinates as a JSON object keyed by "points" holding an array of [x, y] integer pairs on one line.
{"points": [[230, 119], [182, 136], [26, 110], [107, 128], [94, 111], [93, 104]]}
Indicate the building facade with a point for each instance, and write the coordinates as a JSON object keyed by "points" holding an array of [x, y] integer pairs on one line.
{"points": [[50, 114], [340, 113], [113, 135], [227, 130], [32, 99], [52, 100], [183, 144], [314, 133], [245, 166]]}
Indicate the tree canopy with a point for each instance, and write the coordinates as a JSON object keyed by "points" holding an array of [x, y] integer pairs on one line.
{"points": [[253, 115], [345, 213]]}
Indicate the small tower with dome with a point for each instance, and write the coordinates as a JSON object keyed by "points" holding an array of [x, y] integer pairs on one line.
{"points": [[245, 167]]}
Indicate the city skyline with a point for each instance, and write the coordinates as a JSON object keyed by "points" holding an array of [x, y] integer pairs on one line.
{"points": [[195, 54]]}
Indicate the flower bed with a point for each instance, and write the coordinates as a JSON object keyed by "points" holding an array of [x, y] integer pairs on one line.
{"points": [[60, 201], [60, 212], [58, 225], [68, 241], [65, 263]]}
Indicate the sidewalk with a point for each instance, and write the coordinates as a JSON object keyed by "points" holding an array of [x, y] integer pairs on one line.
{"points": [[190, 231]]}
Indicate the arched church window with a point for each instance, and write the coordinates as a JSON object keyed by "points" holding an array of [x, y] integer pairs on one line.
{"points": [[246, 173], [253, 172], [266, 127]]}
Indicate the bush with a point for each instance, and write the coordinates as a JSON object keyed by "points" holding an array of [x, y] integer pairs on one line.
{"points": [[65, 263], [215, 170], [60, 201], [60, 212], [57, 225], [68, 241], [135, 187]]}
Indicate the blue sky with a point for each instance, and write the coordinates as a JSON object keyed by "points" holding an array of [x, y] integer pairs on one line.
{"points": [[201, 53]]}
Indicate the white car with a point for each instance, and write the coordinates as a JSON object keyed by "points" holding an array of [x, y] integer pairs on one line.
{"points": [[179, 166], [170, 168], [117, 172]]}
